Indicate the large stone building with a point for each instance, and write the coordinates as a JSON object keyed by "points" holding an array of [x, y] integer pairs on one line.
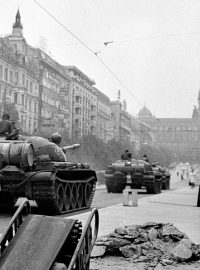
{"points": [[54, 96], [104, 123], [19, 79], [84, 103], [46, 97], [178, 135], [37, 85]]}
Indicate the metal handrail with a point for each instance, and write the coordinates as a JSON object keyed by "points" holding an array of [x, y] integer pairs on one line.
{"points": [[78, 251], [14, 225]]}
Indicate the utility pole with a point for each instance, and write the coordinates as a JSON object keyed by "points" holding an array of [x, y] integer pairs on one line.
{"points": [[198, 198]]}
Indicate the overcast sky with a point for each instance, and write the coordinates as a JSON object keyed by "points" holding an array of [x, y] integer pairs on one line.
{"points": [[154, 58]]}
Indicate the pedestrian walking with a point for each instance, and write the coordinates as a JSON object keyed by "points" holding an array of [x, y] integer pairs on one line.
{"points": [[182, 178], [177, 174]]}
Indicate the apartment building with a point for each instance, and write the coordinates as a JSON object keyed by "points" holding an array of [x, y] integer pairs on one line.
{"points": [[84, 103], [19, 80], [104, 122], [54, 96], [46, 97], [41, 87], [122, 122]]}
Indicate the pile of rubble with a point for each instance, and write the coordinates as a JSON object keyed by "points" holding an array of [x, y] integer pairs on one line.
{"points": [[152, 243]]}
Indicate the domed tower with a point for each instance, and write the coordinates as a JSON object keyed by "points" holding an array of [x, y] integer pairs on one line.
{"points": [[145, 114], [17, 26]]}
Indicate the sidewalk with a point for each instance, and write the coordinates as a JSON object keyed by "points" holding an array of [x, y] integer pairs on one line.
{"points": [[174, 206]]}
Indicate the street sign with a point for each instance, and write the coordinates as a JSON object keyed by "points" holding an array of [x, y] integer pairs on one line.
{"points": [[48, 125]]}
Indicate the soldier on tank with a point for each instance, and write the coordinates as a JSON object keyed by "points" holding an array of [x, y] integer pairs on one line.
{"points": [[145, 158], [6, 127], [126, 155], [56, 138], [14, 135]]}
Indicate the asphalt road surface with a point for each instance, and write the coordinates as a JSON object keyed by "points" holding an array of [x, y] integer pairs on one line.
{"points": [[101, 199]]}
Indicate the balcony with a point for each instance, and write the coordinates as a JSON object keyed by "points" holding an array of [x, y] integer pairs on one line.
{"points": [[93, 113], [77, 116], [125, 128], [93, 123], [93, 105], [77, 105], [77, 93]]}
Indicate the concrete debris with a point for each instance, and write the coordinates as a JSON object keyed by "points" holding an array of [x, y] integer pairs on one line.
{"points": [[158, 244]]}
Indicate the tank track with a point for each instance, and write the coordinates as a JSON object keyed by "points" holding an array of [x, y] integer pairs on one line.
{"points": [[7, 201], [64, 196], [64, 257]]}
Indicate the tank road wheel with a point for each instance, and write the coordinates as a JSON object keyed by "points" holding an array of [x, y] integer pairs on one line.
{"points": [[58, 266], [154, 188], [73, 196], [79, 195], [67, 197], [60, 196]]}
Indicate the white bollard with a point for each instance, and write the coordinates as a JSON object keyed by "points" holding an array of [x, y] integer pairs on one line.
{"points": [[130, 197]]}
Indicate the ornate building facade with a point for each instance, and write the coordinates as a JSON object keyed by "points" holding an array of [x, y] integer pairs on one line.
{"points": [[46, 97], [84, 103], [19, 79], [178, 135], [104, 125]]}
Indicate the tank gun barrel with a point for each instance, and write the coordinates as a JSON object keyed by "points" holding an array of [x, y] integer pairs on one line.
{"points": [[70, 147]]}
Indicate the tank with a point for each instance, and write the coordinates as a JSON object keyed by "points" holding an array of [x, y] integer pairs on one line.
{"points": [[37, 169], [166, 176], [141, 174]]}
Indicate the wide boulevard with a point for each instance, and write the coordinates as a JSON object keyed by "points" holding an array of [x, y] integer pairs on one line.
{"points": [[101, 199]]}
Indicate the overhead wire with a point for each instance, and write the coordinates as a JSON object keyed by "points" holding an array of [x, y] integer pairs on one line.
{"points": [[135, 39], [110, 70], [61, 24], [88, 48]]}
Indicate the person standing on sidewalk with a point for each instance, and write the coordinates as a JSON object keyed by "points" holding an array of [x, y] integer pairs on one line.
{"points": [[192, 178]]}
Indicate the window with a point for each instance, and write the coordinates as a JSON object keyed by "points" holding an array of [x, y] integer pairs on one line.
{"points": [[35, 127], [23, 79], [23, 99], [16, 78], [11, 76], [15, 98], [30, 106], [35, 107], [31, 87], [26, 103], [1, 71], [5, 74]]}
